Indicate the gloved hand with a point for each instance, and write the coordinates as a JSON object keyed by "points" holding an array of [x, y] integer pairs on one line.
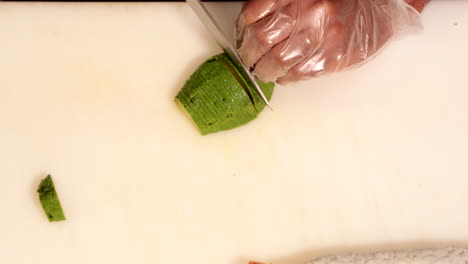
{"points": [[291, 40]]}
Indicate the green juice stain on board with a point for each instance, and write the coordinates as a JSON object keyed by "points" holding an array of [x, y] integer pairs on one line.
{"points": [[49, 200], [217, 97]]}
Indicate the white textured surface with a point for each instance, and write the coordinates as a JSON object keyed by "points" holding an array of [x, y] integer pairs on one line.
{"points": [[418, 256], [370, 159]]}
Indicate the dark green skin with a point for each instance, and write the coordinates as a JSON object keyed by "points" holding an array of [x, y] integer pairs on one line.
{"points": [[49, 200], [216, 100]]}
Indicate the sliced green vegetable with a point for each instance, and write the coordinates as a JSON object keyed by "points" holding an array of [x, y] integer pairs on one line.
{"points": [[217, 97], [49, 200]]}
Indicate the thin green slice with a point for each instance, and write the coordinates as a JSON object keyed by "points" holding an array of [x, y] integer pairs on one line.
{"points": [[49, 200], [217, 97]]}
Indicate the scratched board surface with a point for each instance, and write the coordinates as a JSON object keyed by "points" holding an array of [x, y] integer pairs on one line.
{"points": [[375, 158]]}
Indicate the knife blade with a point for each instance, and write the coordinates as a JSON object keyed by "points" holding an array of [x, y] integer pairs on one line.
{"points": [[210, 23]]}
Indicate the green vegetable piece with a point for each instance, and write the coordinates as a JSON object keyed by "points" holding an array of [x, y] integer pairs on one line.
{"points": [[49, 200], [217, 97]]}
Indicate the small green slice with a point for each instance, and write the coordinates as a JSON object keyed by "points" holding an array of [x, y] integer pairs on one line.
{"points": [[218, 98], [49, 200]]}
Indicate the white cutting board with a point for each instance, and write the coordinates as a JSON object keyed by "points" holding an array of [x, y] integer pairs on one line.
{"points": [[376, 158]]}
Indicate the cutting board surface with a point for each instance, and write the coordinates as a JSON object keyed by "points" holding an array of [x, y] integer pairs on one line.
{"points": [[375, 158]]}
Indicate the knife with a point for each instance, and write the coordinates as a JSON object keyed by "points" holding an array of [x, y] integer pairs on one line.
{"points": [[215, 30]]}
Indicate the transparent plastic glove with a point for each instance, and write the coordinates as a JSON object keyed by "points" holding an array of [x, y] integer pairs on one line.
{"points": [[291, 40]]}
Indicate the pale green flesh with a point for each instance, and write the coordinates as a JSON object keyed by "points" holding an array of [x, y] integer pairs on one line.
{"points": [[216, 100]]}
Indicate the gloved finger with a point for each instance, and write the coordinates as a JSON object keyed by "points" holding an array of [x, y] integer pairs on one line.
{"points": [[329, 56], [304, 70], [260, 37], [276, 62], [254, 10], [287, 54]]}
